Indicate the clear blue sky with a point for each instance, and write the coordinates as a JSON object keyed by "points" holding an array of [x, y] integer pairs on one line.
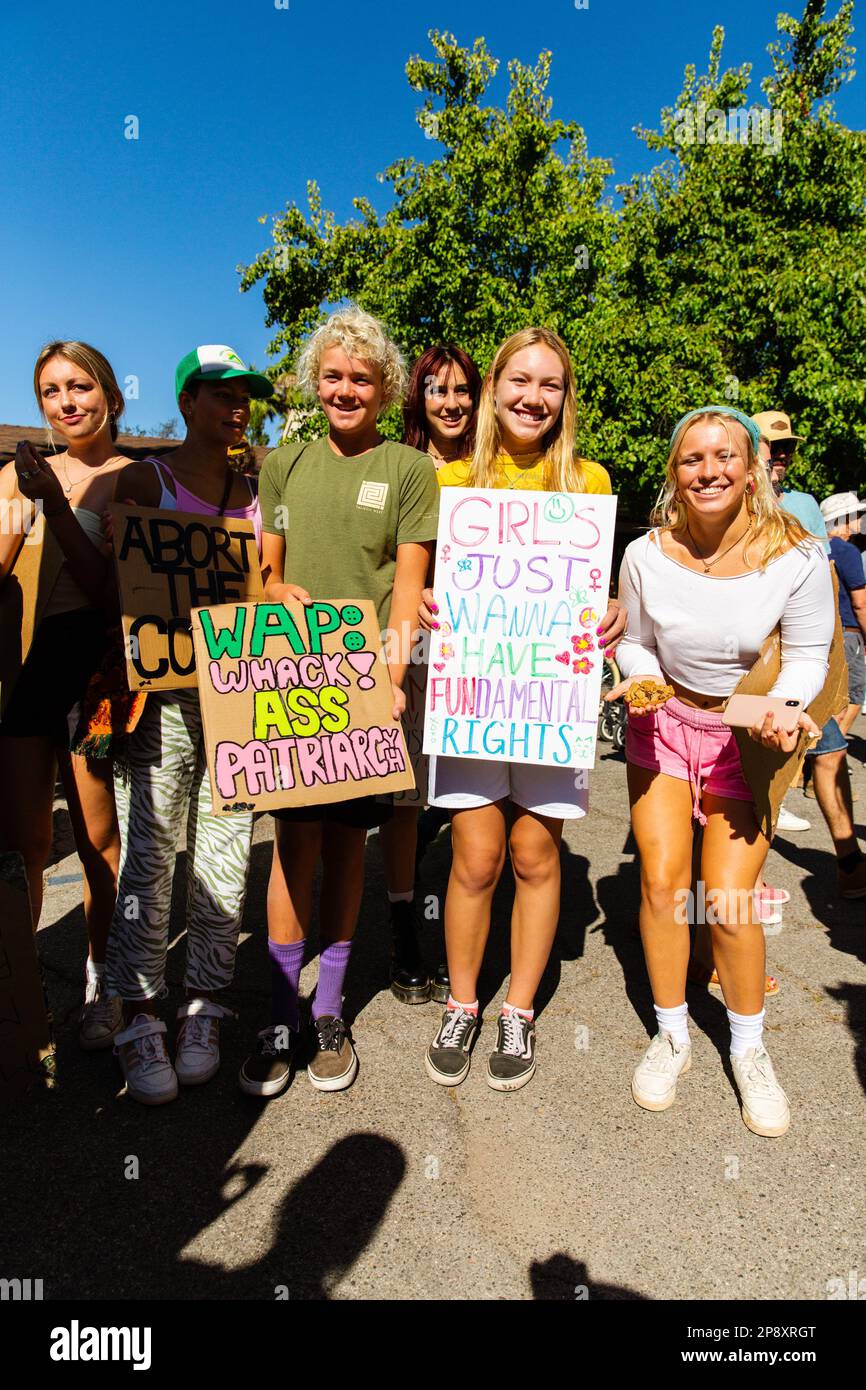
{"points": [[133, 244]]}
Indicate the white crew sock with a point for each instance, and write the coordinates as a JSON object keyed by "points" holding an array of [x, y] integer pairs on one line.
{"points": [[746, 1032], [401, 897], [674, 1021], [95, 971]]}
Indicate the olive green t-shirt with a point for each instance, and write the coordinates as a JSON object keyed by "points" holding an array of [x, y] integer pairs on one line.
{"points": [[343, 518]]}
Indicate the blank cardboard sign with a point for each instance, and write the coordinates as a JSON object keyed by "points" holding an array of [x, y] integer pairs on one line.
{"points": [[167, 564], [297, 705], [24, 1029], [25, 592]]}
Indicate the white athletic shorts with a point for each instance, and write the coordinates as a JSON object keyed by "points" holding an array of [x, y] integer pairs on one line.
{"points": [[459, 784]]}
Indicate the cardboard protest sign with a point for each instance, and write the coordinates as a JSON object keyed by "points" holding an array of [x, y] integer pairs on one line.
{"points": [[521, 583], [25, 1033], [296, 704], [26, 589], [167, 564]]}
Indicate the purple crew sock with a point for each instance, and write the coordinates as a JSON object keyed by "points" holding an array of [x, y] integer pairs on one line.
{"points": [[333, 963], [286, 965]]}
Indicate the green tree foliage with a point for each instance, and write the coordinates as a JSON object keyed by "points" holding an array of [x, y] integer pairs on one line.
{"points": [[743, 274], [734, 270]]}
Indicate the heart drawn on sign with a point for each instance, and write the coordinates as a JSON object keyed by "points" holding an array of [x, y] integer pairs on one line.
{"points": [[564, 657], [438, 665]]}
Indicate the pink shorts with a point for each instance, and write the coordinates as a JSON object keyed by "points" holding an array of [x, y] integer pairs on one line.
{"points": [[692, 744]]}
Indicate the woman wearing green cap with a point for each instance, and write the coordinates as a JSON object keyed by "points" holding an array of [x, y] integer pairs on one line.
{"points": [[164, 783], [704, 589]]}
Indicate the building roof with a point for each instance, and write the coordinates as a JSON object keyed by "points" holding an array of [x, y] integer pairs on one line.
{"points": [[135, 446]]}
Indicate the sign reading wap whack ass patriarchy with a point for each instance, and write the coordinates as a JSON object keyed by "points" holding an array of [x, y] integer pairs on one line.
{"points": [[297, 705]]}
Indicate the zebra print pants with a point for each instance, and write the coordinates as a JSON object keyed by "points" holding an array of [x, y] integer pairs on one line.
{"points": [[165, 780]]}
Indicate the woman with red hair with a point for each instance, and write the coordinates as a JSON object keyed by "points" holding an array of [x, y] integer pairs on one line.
{"points": [[439, 417]]}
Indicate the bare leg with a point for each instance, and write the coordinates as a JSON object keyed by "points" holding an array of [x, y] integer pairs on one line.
{"points": [[342, 881], [297, 846], [734, 852], [661, 811], [833, 795], [27, 768], [90, 797], [534, 845], [478, 849], [399, 840]]}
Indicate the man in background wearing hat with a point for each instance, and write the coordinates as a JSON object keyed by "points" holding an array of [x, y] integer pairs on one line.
{"points": [[778, 443], [841, 514]]}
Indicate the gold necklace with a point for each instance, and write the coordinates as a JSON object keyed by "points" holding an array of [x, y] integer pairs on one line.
{"points": [[70, 484], [517, 485], [708, 564]]}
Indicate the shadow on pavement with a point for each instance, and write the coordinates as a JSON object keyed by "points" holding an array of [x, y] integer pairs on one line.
{"points": [[566, 1280]]}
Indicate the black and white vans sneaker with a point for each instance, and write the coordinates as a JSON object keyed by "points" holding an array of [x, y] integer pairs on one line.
{"points": [[449, 1054], [268, 1069], [512, 1062]]}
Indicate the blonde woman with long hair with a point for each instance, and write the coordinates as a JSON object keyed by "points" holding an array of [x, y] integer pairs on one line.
{"points": [[77, 392], [703, 590], [525, 441]]}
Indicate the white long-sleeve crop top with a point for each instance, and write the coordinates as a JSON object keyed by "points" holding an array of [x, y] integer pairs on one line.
{"points": [[705, 632]]}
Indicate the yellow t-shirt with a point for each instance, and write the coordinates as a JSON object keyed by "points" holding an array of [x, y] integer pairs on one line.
{"points": [[527, 474]]}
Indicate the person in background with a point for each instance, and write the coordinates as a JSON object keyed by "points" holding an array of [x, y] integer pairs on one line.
{"points": [[830, 781], [80, 400], [163, 783], [382, 504], [841, 513], [439, 416], [525, 441], [778, 446]]}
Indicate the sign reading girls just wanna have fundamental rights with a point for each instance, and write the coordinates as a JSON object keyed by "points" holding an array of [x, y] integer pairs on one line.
{"points": [[522, 582]]}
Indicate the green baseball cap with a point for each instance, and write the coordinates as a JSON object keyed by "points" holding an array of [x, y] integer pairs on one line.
{"points": [[216, 362]]}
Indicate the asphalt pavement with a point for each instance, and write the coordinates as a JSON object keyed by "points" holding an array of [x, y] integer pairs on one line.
{"points": [[401, 1189]]}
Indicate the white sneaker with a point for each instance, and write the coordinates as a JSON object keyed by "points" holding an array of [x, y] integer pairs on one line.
{"points": [[654, 1084], [197, 1056], [148, 1073], [765, 1106], [788, 821], [101, 1018]]}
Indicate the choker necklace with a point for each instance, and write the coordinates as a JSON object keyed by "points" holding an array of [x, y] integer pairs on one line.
{"points": [[708, 564]]}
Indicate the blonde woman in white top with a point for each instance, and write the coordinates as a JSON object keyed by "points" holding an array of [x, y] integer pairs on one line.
{"points": [[703, 591]]}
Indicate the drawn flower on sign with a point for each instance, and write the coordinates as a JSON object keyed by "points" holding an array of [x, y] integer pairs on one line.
{"points": [[446, 651], [582, 666], [583, 643]]}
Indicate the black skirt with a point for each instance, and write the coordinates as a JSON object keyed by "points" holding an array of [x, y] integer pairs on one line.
{"points": [[66, 651]]}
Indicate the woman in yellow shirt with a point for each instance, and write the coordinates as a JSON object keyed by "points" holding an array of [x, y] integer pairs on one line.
{"points": [[525, 441]]}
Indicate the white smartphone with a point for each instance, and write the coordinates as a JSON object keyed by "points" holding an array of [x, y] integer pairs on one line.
{"points": [[744, 711]]}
